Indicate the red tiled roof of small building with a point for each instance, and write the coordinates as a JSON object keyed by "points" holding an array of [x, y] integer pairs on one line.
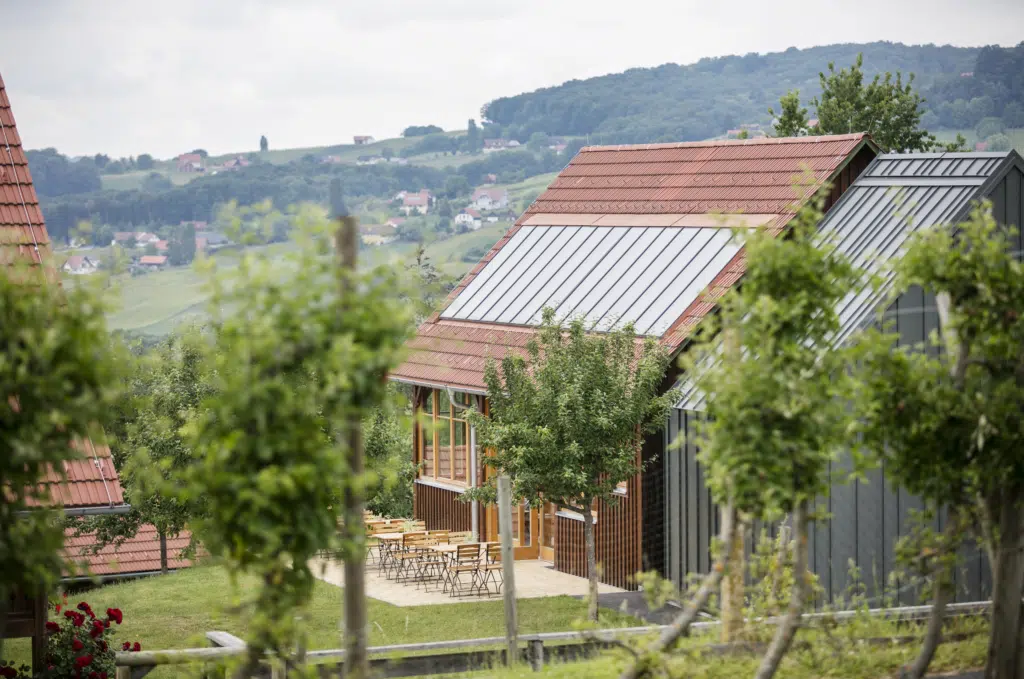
{"points": [[140, 554], [91, 481], [682, 184]]}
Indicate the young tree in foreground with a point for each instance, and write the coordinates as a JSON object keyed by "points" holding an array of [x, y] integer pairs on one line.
{"points": [[949, 424], [774, 391], [296, 360], [567, 421], [58, 375]]}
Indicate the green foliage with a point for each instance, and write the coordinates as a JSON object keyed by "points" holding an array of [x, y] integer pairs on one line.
{"points": [[421, 130], [791, 120], [256, 224], [566, 422], [388, 440], [989, 126], [59, 374], [181, 247], [295, 360], [998, 142], [773, 381], [264, 144], [885, 108], [54, 174], [82, 644], [144, 161], [163, 391]]}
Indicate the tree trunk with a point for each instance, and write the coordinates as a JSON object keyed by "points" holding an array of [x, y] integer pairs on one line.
{"points": [[163, 552], [1004, 654], [789, 625], [732, 582], [588, 539], [942, 594], [680, 627], [357, 664]]}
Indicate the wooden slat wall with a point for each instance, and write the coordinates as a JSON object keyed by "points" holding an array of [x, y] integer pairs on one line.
{"points": [[847, 175], [617, 536], [440, 508]]}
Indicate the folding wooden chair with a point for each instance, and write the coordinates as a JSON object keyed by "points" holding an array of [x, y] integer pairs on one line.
{"points": [[491, 570], [410, 551], [465, 562], [459, 537]]}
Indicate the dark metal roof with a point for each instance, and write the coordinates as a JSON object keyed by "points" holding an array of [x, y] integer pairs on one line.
{"points": [[897, 195]]}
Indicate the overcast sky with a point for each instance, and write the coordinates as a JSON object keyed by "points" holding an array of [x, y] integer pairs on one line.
{"points": [[128, 77]]}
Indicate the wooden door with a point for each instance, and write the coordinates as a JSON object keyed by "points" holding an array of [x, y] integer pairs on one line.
{"points": [[547, 531]]}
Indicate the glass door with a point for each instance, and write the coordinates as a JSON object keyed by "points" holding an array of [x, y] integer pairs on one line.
{"points": [[547, 531]]}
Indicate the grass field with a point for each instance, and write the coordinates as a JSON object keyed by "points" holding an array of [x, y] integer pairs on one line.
{"points": [[176, 610]]}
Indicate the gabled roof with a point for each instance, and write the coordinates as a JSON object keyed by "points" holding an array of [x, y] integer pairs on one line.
{"points": [[897, 195], [624, 234], [92, 480], [139, 554], [153, 259]]}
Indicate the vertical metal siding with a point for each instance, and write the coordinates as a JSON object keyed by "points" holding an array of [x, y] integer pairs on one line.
{"points": [[866, 519]]}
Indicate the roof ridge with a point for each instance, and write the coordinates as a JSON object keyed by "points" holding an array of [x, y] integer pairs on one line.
{"points": [[729, 142]]}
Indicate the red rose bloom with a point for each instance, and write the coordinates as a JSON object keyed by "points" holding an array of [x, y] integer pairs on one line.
{"points": [[8, 672], [94, 675], [83, 660], [52, 627], [106, 623], [77, 644], [102, 644], [126, 646], [115, 615], [84, 607], [103, 675], [97, 629], [57, 608], [137, 647]]}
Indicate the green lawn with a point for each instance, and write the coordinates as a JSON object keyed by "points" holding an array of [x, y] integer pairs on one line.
{"points": [[176, 610]]}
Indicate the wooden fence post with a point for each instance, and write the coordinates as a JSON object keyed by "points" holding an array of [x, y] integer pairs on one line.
{"points": [[508, 566], [536, 654]]}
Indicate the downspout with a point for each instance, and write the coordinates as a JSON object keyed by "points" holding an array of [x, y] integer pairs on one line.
{"points": [[474, 519]]}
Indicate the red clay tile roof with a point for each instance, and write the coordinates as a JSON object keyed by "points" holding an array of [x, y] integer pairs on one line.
{"points": [[91, 481], [671, 183], [140, 554], [153, 259]]}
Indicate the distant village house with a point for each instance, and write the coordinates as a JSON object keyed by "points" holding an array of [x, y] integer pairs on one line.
{"points": [[492, 145], [362, 139], [419, 201], [469, 218], [377, 234], [153, 261], [79, 265], [190, 162], [490, 199], [395, 222]]}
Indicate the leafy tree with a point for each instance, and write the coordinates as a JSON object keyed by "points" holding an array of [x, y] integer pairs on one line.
{"points": [[101, 160], [150, 249], [181, 247], [948, 423], [59, 374], [387, 153], [162, 392], [444, 209], [791, 120], [988, 127], [264, 144], [156, 182], [54, 175], [144, 161], [474, 140], [1013, 114], [538, 141], [999, 142], [297, 359], [421, 130], [456, 187], [388, 440], [566, 421], [885, 108], [201, 152], [103, 235], [774, 390]]}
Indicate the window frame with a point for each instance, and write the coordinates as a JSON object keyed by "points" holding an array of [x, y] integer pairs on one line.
{"points": [[432, 426]]}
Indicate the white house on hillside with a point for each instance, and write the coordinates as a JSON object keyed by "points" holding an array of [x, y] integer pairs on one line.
{"points": [[414, 201], [490, 199], [79, 265], [469, 218]]}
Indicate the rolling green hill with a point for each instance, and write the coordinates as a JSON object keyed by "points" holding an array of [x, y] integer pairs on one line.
{"points": [[698, 101]]}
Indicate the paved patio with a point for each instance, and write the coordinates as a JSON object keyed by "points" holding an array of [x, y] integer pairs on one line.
{"points": [[534, 579]]}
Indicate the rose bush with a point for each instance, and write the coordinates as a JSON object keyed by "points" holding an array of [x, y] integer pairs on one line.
{"points": [[80, 643]]}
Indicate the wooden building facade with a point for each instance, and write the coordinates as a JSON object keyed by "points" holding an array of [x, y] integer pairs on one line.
{"points": [[639, 234]]}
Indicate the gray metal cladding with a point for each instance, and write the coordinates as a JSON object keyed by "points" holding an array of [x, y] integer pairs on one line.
{"points": [[607, 276], [896, 196]]}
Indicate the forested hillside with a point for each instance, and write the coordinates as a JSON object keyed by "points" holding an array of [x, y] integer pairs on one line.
{"points": [[963, 86]]}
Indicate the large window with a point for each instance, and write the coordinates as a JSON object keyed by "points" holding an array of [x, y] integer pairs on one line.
{"points": [[444, 438]]}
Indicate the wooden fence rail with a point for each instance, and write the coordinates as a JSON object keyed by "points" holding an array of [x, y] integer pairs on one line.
{"points": [[467, 655]]}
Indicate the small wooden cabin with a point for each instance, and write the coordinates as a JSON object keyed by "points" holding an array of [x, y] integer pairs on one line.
{"points": [[638, 233]]}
